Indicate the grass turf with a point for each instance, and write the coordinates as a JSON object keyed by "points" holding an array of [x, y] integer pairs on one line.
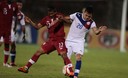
{"points": [[97, 63]]}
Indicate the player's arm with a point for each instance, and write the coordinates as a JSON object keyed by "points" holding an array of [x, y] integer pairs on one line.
{"points": [[69, 18], [22, 22], [15, 25], [97, 31], [66, 19], [37, 26]]}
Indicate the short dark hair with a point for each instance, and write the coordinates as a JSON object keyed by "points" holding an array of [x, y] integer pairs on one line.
{"points": [[89, 9], [51, 8]]}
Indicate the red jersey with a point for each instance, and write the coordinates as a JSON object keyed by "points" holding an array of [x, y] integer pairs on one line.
{"points": [[55, 27], [7, 11], [1, 17]]}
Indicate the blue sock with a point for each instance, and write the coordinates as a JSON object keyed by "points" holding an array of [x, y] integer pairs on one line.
{"points": [[77, 68], [13, 56]]}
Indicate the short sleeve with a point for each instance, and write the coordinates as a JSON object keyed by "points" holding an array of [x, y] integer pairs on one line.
{"points": [[43, 21], [72, 16], [93, 24]]}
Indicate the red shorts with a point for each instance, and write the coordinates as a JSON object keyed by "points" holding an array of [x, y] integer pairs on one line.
{"points": [[6, 37], [54, 44]]}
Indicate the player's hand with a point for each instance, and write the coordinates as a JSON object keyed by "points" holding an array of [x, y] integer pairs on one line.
{"points": [[27, 19], [60, 17], [103, 28]]}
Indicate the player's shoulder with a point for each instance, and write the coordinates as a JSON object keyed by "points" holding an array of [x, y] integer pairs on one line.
{"points": [[46, 17], [78, 13]]}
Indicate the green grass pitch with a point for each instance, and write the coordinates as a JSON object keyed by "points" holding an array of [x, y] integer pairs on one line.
{"points": [[97, 63]]}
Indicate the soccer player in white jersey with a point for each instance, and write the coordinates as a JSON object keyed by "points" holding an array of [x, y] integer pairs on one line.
{"points": [[20, 17], [81, 23]]}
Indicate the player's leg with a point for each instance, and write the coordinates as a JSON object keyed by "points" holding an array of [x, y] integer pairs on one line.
{"points": [[31, 61], [62, 50], [69, 49], [78, 48], [13, 49], [1, 41], [67, 62], [13, 53], [45, 48], [6, 50], [78, 65]]}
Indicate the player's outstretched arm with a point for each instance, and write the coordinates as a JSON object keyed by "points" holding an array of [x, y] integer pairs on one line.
{"points": [[67, 19], [28, 20], [97, 31]]}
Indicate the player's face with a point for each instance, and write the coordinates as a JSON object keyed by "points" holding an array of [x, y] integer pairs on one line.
{"points": [[20, 5], [87, 16]]}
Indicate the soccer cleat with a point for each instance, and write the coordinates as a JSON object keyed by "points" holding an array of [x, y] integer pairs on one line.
{"points": [[13, 65], [6, 65], [23, 69], [71, 74]]}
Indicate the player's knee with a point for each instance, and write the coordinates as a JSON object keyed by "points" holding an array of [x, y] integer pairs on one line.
{"points": [[13, 47], [63, 54], [6, 45], [78, 57], [40, 52]]}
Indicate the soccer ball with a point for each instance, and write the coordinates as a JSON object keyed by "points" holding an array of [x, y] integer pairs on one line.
{"points": [[66, 70]]}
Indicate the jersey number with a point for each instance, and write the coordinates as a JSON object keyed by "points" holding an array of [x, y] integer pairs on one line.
{"points": [[5, 11], [79, 26], [61, 45]]}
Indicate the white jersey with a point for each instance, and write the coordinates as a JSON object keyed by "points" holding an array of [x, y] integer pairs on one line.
{"points": [[20, 17], [21, 20], [79, 27], [76, 35]]}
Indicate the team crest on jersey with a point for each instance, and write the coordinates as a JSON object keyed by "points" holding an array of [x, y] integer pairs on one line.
{"points": [[88, 23]]}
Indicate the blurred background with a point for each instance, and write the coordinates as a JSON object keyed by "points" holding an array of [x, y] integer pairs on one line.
{"points": [[106, 12]]}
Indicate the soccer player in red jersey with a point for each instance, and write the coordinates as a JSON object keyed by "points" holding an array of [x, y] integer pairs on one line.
{"points": [[8, 9], [56, 39]]}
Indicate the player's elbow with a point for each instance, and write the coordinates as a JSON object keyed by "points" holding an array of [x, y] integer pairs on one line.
{"points": [[36, 27]]}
